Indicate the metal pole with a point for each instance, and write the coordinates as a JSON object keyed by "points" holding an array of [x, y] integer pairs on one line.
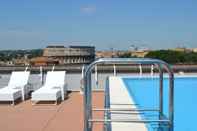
{"points": [[171, 96], [89, 100], [53, 68], [114, 70], [171, 101], [128, 120], [82, 79], [140, 67], [96, 76], [82, 71], [107, 105], [124, 109], [152, 70], [85, 97], [160, 91]]}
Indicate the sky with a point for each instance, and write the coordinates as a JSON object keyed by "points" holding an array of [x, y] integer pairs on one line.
{"points": [[105, 24]]}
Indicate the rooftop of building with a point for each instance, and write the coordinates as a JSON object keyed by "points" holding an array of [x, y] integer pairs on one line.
{"points": [[71, 46], [52, 46], [66, 116], [81, 47]]}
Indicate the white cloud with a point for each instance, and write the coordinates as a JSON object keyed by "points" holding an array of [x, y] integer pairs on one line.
{"points": [[88, 9]]}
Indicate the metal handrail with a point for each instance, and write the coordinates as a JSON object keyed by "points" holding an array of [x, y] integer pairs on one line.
{"points": [[124, 109], [161, 65], [128, 120]]}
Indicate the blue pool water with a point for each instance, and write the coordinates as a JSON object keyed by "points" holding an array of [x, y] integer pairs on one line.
{"points": [[145, 92]]}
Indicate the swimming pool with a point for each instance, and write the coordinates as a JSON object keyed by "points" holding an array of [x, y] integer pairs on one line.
{"points": [[145, 92]]}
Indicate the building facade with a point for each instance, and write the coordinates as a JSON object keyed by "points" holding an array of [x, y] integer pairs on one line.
{"points": [[43, 61], [106, 54], [71, 54]]}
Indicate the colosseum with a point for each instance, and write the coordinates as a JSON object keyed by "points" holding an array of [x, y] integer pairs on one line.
{"points": [[71, 54]]}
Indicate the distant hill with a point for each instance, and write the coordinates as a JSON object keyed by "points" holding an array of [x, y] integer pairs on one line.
{"points": [[7, 55]]}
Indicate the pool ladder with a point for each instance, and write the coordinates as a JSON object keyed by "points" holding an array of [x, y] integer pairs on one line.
{"points": [[163, 123]]}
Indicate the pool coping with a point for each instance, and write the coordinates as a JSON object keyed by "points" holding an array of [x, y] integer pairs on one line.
{"points": [[121, 95]]}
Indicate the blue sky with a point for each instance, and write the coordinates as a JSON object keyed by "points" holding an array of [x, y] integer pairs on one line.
{"points": [[105, 24]]}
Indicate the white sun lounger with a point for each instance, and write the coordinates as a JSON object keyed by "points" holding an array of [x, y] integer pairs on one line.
{"points": [[53, 89], [16, 88]]}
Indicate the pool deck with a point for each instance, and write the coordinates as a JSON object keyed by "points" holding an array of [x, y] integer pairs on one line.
{"points": [[120, 99], [66, 116]]}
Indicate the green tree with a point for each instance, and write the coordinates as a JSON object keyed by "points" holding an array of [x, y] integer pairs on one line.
{"points": [[174, 57]]}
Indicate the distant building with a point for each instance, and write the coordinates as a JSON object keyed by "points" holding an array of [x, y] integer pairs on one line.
{"points": [[2, 63], [110, 54], [140, 53], [43, 61], [71, 54], [181, 49], [21, 62], [194, 50], [106, 54]]}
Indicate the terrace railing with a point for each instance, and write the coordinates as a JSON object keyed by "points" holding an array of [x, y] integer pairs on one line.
{"points": [[88, 110]]}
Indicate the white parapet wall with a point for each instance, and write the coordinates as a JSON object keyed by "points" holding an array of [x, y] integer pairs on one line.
{"points": [[120, 98]]}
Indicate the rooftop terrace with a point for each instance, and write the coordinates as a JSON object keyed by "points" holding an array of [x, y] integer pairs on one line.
{"points": [[66, 116]]}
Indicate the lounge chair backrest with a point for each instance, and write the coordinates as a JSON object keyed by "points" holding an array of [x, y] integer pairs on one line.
{"points": [[19, 78], [55, 78]]}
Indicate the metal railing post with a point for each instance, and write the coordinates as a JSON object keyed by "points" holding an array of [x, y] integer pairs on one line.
{"points": [[160, 94], [90, 101], [171, 101], [114, 66], [171, 96], [85, 103], [107, 105], [87, 100], [160, 91]]}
